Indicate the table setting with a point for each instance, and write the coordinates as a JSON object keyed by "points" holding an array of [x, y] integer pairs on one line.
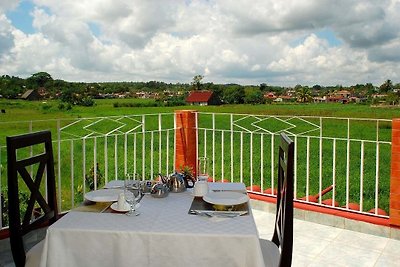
{"points": [[165, 215]]}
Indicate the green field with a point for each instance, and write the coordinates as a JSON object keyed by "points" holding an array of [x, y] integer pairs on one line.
{"points": [[17, 115]]}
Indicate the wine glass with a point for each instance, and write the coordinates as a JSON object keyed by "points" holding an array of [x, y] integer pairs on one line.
{"points": [[133, 193], [202, 171]]}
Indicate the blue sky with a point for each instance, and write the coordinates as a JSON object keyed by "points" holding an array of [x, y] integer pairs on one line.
{"points": [[276, 42], [21, 17]]}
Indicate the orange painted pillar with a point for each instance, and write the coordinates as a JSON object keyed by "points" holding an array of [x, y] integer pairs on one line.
{"points": [[186, 140], [394, 213]]}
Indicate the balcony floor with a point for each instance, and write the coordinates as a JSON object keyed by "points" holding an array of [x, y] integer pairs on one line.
{"points": [[314, 245], [320, 245]]}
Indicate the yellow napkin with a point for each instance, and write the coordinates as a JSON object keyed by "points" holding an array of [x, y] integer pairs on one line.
{"points": [[93, 206]]}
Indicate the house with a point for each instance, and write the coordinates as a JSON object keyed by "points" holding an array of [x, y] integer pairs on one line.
{"points": [[318, 99], [31, 95], [269, 95], [343, 93], [202, 98]]}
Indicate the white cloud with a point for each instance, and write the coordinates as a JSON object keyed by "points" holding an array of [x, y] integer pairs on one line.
{"points": [[8, 5], [228, 41]]}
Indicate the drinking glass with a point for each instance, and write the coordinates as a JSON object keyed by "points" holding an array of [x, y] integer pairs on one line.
{"points": [[133, 193], [202, 170]]}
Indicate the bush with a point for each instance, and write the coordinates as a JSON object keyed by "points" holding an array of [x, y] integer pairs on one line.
{"points": [[135, 105], [90, 177], [45, 106], [87, 102], [64, 106], [23, 200]]}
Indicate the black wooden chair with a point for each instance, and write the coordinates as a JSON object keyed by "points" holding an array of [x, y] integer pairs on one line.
{"points": [[278, 252], [19, 169]]}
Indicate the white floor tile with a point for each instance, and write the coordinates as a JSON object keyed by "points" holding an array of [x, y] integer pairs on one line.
{"points": [[393, 248], [343, 254], [361, 240], [386, 260]]}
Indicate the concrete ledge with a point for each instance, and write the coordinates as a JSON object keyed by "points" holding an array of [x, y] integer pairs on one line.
{"points": [[333, 221]]}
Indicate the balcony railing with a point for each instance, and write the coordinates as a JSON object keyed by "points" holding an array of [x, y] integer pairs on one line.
{"points": [[348, 157]]}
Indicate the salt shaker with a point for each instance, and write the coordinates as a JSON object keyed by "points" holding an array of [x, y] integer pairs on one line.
{"points": [[121, 201]]}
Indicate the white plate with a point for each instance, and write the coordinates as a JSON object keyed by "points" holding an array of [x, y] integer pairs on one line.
{"points": [[115, 184], [114, 206], [226, 198], [103, 195]]}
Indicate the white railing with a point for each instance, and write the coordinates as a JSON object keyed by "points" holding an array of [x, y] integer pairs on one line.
{"points": [[348, 157], [352, 155]]}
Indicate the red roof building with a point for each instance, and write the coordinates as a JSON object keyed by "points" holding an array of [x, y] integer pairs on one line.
{"points": [[202, 98]]}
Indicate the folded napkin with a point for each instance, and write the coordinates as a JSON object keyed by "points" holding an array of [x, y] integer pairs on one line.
{"points": [[89, 206]]}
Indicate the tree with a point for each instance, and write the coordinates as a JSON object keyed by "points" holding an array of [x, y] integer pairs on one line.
{"points": [[303, 93], [40, 78], [197, 82], [387, 86], [254, 97], [392, 99], [233, 94]]}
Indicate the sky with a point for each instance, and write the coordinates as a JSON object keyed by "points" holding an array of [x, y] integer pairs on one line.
{"points": [[277, 42]]}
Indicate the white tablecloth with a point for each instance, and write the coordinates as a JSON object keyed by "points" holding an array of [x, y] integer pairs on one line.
{"points": [[163, 235]]}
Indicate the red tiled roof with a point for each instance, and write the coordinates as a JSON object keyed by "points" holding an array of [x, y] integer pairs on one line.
{"points": [[199, 96]]}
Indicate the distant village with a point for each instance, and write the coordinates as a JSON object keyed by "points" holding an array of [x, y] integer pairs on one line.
{"points": [[207, 97], [41, 86]]}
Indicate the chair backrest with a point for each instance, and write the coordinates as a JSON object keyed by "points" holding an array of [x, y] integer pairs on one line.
{"points": [[283, 233], [38, 149]]}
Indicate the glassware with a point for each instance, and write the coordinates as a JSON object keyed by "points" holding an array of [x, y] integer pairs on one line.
{"points": [[133, 193], [202, 169]]}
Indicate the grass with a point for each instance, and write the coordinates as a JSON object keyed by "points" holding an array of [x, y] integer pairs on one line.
{"points": [[115, 162]]}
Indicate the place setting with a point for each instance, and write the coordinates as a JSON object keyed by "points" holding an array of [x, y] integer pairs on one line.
{"points": [[117, 196], [217, 199]]}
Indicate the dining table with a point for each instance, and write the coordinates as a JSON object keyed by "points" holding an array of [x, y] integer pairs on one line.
{"points": [[164, 234]]}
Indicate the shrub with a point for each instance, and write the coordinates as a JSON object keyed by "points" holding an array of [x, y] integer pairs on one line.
{"points": [[89, 178], [87, 102], [61, 106]]}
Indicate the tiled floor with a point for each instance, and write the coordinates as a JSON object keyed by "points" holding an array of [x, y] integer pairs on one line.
{"points": [[319, 245], [314, 245]]}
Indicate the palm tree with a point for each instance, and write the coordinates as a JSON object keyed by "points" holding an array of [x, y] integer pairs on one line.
{"points": [[303, 94]]}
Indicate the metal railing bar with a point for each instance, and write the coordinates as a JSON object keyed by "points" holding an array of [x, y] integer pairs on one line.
{"points": [[95, 162], [83, 164], [334, 172], [115, 157], [272, 163], [377, 179], [232, 170], [125, 153], [362, 176], [213, 145], [251, 159], [105, 159], [347, 174], [295, 168], [241, 157], [222, 156], [72, 174], [262, 163]]}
